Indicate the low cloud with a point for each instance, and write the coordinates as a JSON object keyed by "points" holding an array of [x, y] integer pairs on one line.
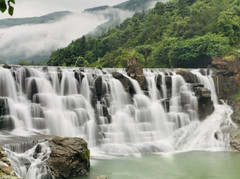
{"points": [[30, 40]]}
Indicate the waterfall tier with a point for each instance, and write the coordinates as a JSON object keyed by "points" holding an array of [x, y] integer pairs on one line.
{"points": [[92, 104]]}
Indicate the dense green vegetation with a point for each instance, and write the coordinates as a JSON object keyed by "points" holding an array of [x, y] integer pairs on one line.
{"points": [[178, 33]]}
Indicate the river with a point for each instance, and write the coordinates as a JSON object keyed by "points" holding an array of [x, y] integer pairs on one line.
{"points": [[186, 165]]}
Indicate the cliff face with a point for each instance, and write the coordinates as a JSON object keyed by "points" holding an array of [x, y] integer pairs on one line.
{"points": [[226, 76]]}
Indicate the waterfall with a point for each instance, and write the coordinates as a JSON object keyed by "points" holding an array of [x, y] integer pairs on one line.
{"points": [[28, 159], [91, 104]]}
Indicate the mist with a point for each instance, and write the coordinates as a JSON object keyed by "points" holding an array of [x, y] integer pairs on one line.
{"points": [[26, 41], [32, 39]]}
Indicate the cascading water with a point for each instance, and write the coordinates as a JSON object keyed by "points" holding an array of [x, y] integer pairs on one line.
{"points": [[95, 106], [28, 159]]}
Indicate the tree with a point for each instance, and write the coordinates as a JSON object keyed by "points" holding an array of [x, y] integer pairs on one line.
{"points": [[4, 5], [79, 62], [198, 51]]}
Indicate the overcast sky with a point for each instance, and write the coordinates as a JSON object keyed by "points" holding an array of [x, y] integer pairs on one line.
{"points": [[34, 39], [30, 8]]}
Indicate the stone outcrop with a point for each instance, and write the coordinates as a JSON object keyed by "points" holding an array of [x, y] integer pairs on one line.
{"points": [[229, 67], [6, 171], [98, 87], [127, 84], [235, 139], [226, 74], [6, 121], [32, 89], [135, 71], [4, 110], [205, 103], [187, 75], [226, 77], [69, 157]]}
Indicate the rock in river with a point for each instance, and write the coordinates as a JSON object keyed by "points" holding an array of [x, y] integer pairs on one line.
{"points": [[69, 157]]}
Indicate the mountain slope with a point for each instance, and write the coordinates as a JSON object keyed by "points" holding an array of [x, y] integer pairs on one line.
{"points": [[33, 39], [5, 23], [119, 12], [178, 33]]}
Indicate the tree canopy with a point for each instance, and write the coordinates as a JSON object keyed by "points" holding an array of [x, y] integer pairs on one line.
{"points": [[178, 33]]}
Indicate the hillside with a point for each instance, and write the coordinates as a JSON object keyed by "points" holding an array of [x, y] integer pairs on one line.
{"points": [[10, 22], [118, 13], [178, 33], [41, 35]]}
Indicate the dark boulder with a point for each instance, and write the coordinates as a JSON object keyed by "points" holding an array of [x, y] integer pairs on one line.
{"points": [[231, 66], [168, 81], [127, 84], [203, 92], [37, 150], [98, 87], [32, 89], [187, 75], [69, 157], [135, 71], [166, 104], [158, 79], [6, 123], [45, 69], [7, 66], [4, 109], [205, 103], [105, 111]]}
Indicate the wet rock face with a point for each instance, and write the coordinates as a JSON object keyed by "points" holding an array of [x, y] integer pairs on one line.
{"points": [[6, 171], [235, 139], [187, 75], [4, 110], [205, 103], [158, 79], [98, 87], [127, 84], [69, 157], [6, 123], [32, 89], [226, 75], [135, 71], [227, 66]]}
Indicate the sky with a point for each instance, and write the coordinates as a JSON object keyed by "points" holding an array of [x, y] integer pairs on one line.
{"points": [[30, 8], [30, 40]]}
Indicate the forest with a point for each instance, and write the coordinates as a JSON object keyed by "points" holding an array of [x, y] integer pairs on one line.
{"points": [[178, 33]]}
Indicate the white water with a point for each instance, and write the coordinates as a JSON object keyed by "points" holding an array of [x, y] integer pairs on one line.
{"points": [[54, 103], [26, 162]]}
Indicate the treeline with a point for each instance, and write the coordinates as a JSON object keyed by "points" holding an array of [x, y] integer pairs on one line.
{"points": [[178, 33]]}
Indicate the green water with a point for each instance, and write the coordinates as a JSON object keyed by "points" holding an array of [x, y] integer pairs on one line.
{"points": [[189, 165]]}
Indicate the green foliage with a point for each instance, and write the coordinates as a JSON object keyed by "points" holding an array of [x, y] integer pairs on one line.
{"points": [[23, 63], [4, 5], [81, 62], [118, 58], [237, 95], [160, 54], [178, 33], [198, 51]]}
